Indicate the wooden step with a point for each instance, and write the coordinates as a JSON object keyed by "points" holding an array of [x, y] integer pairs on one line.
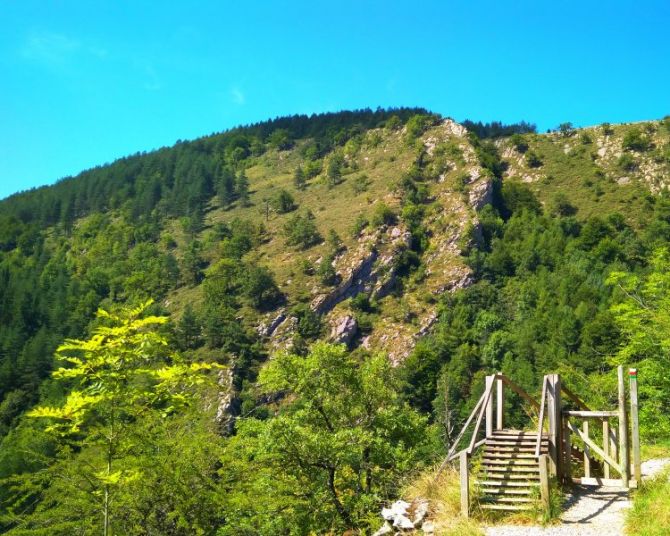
{"points": [[496, 460], [506, 468], [507, 491], [507, 507], [512, 442], [505, 477], [493, 482]]}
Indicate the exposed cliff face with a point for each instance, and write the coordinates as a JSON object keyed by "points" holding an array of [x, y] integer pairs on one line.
{"points": [[407, 309]]}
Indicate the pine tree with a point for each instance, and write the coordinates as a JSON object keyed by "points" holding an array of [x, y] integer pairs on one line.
{"points": [[299, 179], [242, 189]]}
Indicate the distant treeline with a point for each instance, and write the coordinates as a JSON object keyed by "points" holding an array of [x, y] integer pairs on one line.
{"points": [[496, 129], [179, 180]]}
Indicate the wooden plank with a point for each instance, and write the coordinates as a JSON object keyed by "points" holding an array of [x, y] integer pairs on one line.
{"points": [[519, 391], [454, 446], [623, 429], [487, 397], [543, 403], [544, 481], [567, 449], [572, 396], [587, 454], [590, 414], [588, 441], [635, 425], [500, 404], [554, 407], [606, 445], [490, 380], [465, 485]]}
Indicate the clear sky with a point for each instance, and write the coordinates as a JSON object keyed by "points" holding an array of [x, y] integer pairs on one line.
{"points": [[85, 82]]}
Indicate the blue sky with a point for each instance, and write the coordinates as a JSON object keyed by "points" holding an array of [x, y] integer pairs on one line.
{"points": [[85, 82]]}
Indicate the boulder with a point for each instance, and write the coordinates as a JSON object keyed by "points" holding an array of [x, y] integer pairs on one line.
{"points": [[344, 330]]}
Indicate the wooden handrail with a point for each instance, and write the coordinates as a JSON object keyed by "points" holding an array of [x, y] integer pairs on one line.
{"points": [[453, 448], [540, 423], [487, 396], [572, 396], [518, 390]]}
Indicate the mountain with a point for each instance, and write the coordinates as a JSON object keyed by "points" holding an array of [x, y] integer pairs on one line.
{"points": [[451, 249]]}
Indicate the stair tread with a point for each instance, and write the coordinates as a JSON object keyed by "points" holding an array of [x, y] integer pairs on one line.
{"points": [[489, 490], [510, 507], [509, 461], [493, 482]]}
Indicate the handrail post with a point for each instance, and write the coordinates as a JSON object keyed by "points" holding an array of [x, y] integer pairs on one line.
{"points": [[606, 446], [465, 484], [489, 405], [623, 430], [544, 482], [635, 426], [500, 404], [555, 425]]}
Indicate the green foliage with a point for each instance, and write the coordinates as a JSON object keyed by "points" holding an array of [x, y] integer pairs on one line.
{"points": [[382, 214], [121, 373], [519, 142], [301, 231], [299, 178], [636, 140], [334, 169], [533, 159], [627, 163], [643, 317], [284, 202], [334, 453], [650, 515], [360, 183]]}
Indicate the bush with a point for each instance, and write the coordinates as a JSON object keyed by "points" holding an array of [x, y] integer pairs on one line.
{"points": [[636, 140], [284, 202], [301, 231], [360, 223], [309, 323], [259, 288], [627, 163], [417, 125], [360, 184], [327, 272], [533, 159], [519, 142], [382, 215]]}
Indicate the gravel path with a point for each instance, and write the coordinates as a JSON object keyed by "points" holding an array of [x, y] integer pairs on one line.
{"points": [[588, 511]]}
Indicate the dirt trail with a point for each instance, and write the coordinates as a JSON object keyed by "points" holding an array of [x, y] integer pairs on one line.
{"points": [[588, 511]]}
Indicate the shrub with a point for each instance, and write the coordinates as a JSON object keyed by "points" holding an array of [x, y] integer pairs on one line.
{"points": [[566, 129], [327, 272], [360, 223], [309, 322], [284, 202], [382, 215], [533, 159], [360, 184], [519, 142], [627, 163], [301, 231], [636, 140]]}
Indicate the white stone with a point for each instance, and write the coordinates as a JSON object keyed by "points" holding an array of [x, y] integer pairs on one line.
{"points": [[386, 528], [403, 522], [428, 527]]}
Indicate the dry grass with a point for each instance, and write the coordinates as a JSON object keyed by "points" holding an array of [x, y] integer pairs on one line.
{"points": [[443, 492]]}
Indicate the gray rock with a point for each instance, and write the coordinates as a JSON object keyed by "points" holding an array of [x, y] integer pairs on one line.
{"points": [[345, 330]]}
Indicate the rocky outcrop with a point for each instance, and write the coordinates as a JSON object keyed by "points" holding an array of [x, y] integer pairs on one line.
{"points": [[344, 330], [228, 407]]}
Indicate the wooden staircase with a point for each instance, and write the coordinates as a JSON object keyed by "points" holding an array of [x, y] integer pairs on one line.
{"points": [[509, 475]]}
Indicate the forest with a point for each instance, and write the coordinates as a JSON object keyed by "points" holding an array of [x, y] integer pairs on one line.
{"points": [[132, 296]]}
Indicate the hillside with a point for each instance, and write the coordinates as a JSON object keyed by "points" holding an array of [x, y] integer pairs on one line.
{"points": [[396, 232]]}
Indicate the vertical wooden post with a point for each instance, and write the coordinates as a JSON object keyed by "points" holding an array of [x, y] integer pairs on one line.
{"points": [[587, 451], [554, 408], [567, 451], [543, 461], [623, 430], [614, 444], [635, 426], [465, 485], [489, 406], [500, 404], [606, 446]]}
